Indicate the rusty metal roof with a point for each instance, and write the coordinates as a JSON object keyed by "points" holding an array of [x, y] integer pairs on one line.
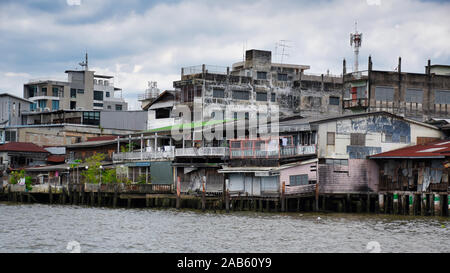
{"points": [[435, 149]]}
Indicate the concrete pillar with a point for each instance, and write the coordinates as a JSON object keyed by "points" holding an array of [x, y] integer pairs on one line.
{"points": [[423, 205], [437, 205], [396, 206], [381, 202]]}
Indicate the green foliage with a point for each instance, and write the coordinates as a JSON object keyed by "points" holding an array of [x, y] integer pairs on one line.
{"points": [[16, 176], [142, 179], [28, 182], [92, 174], [109, 176]]}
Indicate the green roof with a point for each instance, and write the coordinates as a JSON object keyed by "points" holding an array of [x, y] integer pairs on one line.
{"points": [[191, 125]]}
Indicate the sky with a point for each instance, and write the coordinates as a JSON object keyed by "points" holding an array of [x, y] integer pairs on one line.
{"points": [[139, 41]]}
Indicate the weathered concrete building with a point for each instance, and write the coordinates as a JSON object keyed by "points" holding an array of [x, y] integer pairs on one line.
{"points": [[344, 143], [419, 96]]}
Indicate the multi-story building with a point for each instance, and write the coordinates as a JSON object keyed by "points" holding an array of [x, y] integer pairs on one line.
{"points": [[11, 114], [419, 96], [84, 90]]}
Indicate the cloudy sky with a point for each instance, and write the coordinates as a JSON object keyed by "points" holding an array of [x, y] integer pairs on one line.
{"points": [[139, 41]]}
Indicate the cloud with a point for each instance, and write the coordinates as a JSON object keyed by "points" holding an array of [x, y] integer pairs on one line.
{"points": [[138, 41]]}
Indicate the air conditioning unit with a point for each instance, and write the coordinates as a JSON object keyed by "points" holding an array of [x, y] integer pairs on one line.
{"points": [[47, 109]]}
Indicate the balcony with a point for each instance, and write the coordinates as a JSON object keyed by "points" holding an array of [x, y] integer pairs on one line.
{"points": [[356, 103], [170, 155], [136, 156], [268, 148], [203, 151]]}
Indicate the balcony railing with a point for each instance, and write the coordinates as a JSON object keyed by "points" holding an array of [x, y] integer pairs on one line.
{"points": [[355, 103], [134, 156], [276, 152], [203, 151], [190, 152]]}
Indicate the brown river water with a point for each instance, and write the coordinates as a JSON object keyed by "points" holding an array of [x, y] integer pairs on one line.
{"points": [[63, 229]]}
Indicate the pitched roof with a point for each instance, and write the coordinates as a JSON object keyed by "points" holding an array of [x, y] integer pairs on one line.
{"points": [[56, 158], [435, 149], [22, 147], [100, 138]]}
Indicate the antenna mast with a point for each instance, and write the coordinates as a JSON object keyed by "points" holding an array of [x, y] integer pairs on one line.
{"points": [[355, 41], [283, 45], [85, 62]]}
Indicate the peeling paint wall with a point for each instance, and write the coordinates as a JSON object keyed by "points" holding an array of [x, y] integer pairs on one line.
{"points": [[361, 176], [382, 133]]}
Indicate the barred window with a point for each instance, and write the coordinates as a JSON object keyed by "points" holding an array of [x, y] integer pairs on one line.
{"points": [[261, 96], [241, 95], [330, 138], [384, 93], [357, 139], [218, 93], [442, 96], [414, 95]]}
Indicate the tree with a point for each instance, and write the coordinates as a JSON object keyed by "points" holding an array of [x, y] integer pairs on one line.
{"points": [[92, 174]]}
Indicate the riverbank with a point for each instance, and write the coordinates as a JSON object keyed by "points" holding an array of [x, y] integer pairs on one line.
{"points": [[162, 196]]}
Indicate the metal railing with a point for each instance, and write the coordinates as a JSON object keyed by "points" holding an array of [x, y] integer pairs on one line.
{"points": [[351, 103], [143, 155], [288, 151], [203, 151]]}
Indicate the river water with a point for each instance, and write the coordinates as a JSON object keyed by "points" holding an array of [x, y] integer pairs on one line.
{"points": [[51, 228]]}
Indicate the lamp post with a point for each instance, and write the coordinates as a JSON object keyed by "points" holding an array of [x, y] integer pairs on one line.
{"points": [[68, 173], [101, 168]]}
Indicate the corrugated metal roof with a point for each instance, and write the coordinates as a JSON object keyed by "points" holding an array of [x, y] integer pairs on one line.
{"points": [[436, 149], [22, 147]]}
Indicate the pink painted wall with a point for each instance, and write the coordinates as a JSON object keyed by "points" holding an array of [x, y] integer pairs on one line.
{"points": [[297, 170]]}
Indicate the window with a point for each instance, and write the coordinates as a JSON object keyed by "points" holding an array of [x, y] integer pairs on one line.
{"points": [[109, 107], [403, 139], [442, 96], [118, 107], [273, 97], [414, 95], [44, 91], [387, 137], [98, 104], [42, 104], [261, 96], [282, 77], [73, 105], [360, 92], [73, 93], [108, 94], [33, 106], [330, 138], [80, 91], [55, 104], [32, 91], [334, 101], [98, 95], [298, 180], [91, 118], [261, 75], [10, 136], [384, 93], [218, 93], [55, 91], [347, 93], [241, 95], [357, 139]]}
